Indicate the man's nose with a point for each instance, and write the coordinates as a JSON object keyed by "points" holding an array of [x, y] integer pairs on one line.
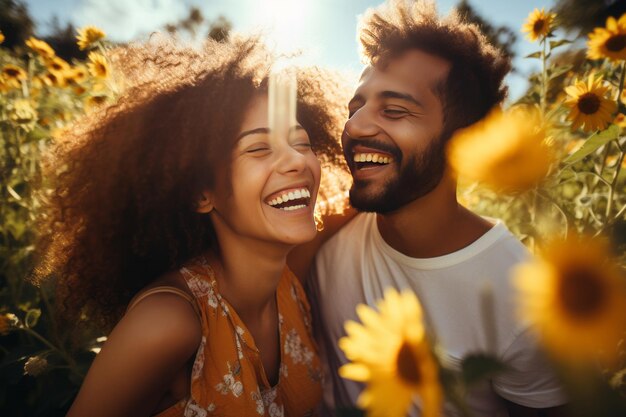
{"points": [[361, 124]]}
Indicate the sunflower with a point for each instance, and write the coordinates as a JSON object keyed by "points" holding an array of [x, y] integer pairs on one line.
{"points": [[589, 106], [575, 298], [41, 48], [89, 35], [95, 101], [56, 64], [390, 353], [506, 151], [54, 79], [609, 42], [2, 38], [13, 72], [79, 73], [98, 65], [620, 120], [538, 24]]}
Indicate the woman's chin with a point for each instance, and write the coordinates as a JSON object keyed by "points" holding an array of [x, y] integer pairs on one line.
{"points": [[299, 235]]}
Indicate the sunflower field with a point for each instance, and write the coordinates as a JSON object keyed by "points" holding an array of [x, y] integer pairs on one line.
{"points": [[42, 364], [551, 166]]}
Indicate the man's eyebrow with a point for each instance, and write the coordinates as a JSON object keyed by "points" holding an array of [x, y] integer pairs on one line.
{"points": [[263, 131], [401, 96]]}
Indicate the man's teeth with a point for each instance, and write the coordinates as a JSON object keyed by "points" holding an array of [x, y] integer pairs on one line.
{"points": [[291, 195], [372, 157]]}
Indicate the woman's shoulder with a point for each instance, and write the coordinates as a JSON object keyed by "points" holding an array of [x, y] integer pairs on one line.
{"points": [[164, 312]]}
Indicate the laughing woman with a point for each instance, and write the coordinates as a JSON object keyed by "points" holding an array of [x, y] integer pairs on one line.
{"points": [[172, 219]]}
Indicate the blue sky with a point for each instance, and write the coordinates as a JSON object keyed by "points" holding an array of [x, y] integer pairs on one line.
{"points": [[325, 29]]}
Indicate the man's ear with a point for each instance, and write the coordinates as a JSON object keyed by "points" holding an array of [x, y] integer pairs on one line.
{"points": [[205, 202]]}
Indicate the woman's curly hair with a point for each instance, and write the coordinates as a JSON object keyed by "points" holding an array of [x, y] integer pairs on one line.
{"points": [[475, 82], [127, 178]]}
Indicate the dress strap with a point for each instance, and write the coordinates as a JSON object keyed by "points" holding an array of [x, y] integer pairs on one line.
{"points": [[164, 289]]}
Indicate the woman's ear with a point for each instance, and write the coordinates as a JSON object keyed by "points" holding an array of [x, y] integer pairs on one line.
{"points": [[205, 203]]}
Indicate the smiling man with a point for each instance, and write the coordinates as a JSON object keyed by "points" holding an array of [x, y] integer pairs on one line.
{"points": [[426, 78]]}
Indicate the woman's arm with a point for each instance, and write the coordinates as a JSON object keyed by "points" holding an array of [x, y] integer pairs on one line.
{"points": [[148, 347], [301, 257]]}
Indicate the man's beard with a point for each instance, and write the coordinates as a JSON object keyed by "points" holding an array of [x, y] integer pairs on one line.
{"points": [[418, 177]]}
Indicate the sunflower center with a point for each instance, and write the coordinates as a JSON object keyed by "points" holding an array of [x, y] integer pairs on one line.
{"points": [[538, 25], [407, 364], [616, 43], [589, 103], [12, 73], [582, 293]]}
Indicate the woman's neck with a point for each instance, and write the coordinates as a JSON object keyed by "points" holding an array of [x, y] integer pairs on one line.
{"points": [[251, 271]]}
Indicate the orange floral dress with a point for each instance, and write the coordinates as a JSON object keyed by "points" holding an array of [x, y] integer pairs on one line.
{"points": [[228, 378]]}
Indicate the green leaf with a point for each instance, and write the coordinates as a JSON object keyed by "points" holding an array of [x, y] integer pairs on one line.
{"points": [[555, 72], [32, 317], [594, 142], [479, 366], [534, 55], [556, 44]]}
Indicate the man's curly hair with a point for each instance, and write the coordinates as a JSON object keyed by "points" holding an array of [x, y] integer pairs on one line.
{"points": [[475, 82], [127, 178]]}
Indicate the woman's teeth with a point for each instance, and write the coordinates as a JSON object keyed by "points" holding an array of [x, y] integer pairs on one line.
{"points": [[292, 200], [372, 157]]}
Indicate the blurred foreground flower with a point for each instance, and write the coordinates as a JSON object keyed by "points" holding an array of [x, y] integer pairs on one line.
{"points": [[7, 321], [40, 47], [1, 37], [538, 24], [589, 106], [609, 42], [390, 353], [98, 65], [576, 299], [89, 35], [35, 366], [505, 151]]}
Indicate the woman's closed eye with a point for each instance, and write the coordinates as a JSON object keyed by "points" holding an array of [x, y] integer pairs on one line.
{"points": [[257, 148]]}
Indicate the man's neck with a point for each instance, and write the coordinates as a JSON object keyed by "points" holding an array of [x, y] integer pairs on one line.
{"points": [[432, 225]]}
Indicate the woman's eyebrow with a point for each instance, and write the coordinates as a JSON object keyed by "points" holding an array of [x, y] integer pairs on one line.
{"points": [[263, 131], [258, 130]]}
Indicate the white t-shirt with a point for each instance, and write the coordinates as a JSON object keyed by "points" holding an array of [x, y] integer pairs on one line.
{"points": [[356, 265]]}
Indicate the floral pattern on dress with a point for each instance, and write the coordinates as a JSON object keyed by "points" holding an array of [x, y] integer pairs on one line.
{"points": [[225, 377], [258, 399], [230, 383], [194, 410], [297, 350]]}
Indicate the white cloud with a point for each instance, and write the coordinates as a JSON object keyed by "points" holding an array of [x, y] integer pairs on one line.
{"points": [[124, 20]]}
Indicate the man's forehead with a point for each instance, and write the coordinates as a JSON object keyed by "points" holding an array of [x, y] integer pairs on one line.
{"points": [[413, 70]]}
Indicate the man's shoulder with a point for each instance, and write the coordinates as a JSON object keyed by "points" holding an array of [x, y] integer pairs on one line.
{"points": [[349, 236]]}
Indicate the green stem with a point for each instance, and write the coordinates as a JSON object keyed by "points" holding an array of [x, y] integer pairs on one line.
{"points": [[71, 363], [618, 99], [609, 205], [544, 78]]}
